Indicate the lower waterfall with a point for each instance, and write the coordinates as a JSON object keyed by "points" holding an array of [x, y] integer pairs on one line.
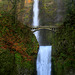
{"points": [[43, 62]]}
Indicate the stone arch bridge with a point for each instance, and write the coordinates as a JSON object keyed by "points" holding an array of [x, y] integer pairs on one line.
{"points": [[51, 28]]}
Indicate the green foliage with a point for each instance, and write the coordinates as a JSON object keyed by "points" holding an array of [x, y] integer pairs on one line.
{"points": [[7, 63], [19, 45], [18, 58], [27, 65], [63, 47]]}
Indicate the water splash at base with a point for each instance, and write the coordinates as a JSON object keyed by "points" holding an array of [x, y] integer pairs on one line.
{"points": [[43, 62]]}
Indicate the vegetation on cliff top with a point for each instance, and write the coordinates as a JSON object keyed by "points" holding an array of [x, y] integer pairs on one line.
{"points": [[18, 46]]}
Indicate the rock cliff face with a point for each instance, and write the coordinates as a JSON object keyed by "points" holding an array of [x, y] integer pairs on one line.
{"points": [[51, 12]]}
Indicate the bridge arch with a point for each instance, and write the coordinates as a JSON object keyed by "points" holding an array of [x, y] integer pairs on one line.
{"points": [[51, 28]]}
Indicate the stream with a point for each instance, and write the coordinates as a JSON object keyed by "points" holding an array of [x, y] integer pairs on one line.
{"points": [[43, 62]]}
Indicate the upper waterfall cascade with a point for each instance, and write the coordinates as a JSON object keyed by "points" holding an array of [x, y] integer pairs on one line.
{"points": [[36, 13]]}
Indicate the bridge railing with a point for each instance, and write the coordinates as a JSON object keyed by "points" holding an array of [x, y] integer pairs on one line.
{"points": [[52, 28], [44, 27]]}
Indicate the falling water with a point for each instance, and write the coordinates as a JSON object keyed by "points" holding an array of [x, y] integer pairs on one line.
{"points": [[43, 62], [36, 13]]}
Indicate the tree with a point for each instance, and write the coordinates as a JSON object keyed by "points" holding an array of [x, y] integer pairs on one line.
{"points": [[14, 10]]}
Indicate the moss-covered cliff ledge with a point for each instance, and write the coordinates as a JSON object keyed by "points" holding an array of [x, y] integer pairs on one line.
{"points": [[18, 47]]}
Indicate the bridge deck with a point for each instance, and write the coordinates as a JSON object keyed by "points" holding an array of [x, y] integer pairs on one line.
{"points": [[44, 27], [52, 28]]}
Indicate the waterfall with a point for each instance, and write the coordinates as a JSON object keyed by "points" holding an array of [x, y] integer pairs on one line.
{"points": [[43, 62], [35, 13]]}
